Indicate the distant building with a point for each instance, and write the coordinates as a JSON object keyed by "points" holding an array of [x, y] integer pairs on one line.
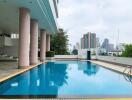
{"points": [[88, 41], [105, 45], [120, 47], [92, 40], [98, 47], [111, 47], [115, 53], [77, 46], [97, 43], [82, 43]]}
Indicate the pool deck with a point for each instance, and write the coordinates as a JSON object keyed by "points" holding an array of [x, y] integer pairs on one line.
{"points": [[118, 68], [10, 69]]}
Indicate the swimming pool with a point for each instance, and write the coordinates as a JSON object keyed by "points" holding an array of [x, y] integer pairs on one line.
{"points": [[71, 79]]}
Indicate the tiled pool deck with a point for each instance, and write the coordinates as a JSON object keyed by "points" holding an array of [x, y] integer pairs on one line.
{"points": [[10, 69], [7, 68]]}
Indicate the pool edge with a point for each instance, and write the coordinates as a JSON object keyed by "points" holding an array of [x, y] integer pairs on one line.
{"points": [[20, 71], [110, 68]]}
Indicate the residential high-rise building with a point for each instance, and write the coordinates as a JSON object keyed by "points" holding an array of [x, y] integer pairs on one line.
{"points": [[82, 43], [88, 41], [92, 40]]}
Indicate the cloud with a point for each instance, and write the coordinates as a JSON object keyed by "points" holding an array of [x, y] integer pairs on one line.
{"points": [[103, 17]]}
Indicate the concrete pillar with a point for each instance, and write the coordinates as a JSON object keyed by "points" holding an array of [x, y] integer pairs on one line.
{"points": [[24, 37], [34, 42], [42, 45], [48, 42]]}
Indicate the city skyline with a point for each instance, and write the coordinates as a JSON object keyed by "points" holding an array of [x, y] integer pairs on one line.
{"points": [[105, 18]]}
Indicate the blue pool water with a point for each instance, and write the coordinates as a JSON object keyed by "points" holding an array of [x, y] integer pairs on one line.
{"points": [[68, 78]]}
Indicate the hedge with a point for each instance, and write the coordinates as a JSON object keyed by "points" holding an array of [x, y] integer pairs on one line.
{"points": [[50, 54]]}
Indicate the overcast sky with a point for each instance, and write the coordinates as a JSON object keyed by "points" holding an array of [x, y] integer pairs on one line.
{"points": [[103, 17]]}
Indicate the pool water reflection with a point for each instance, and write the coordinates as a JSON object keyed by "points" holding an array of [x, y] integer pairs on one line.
{"points": [[68, 78]]}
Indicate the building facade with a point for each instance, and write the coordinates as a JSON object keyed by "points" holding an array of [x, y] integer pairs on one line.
{"points": [[88, 41], [120, 47], [77, 46], [105, 45], [32, 20], [82, 42], [111, 47]]}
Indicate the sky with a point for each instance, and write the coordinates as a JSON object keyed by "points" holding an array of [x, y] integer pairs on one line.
{"points": [[106, 18]]}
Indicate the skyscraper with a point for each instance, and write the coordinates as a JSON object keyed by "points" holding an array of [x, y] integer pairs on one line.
{"points": [[82, 43], [86, 44], [105, 45], [88, 41], [92, 40]]}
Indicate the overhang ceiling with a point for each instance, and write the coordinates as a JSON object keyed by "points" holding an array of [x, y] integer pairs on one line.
{"points": [[39, 9]]}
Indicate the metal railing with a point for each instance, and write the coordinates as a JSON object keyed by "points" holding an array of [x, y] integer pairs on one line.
{"points": [[127, 73]]}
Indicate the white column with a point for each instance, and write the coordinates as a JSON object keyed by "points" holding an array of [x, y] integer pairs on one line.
{"points": [[42, 45], [48, 42], [24, 37], [34, 42]]}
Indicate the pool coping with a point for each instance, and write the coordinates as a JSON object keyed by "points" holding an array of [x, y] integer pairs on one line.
{"points": [[108, 66], [20, 71]]}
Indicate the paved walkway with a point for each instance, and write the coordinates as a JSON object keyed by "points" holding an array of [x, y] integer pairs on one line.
{"points": [[117, 68]]}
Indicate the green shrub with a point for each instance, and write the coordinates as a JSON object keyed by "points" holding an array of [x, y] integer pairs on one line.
{"points": [[75, 52], [128, 51], [50, 54]]}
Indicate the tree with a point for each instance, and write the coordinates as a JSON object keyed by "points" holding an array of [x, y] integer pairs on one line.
{"points": [[59, 42], [128, 51], [75, 52]]}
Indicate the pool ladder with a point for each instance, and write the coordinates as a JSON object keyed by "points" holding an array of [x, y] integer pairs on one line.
{"points": [[128, 76], [129, 68]]}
